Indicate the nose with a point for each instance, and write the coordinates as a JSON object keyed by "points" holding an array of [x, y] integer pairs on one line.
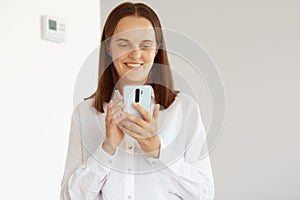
{"points": [[135, 53]]}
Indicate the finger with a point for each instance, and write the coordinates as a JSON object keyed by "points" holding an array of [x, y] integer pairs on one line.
{"points": [[115, 101], [156, 112], [118, 118], [118, 114], [108, 115], [132, 126], [118, 108], [110, 106], [142, 111], [137, 120], [131, 133]]}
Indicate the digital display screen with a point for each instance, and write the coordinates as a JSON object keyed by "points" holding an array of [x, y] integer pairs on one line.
{"points": [[52, 25]]}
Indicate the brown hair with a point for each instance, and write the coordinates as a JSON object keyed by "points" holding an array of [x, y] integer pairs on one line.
{"points": [[160, 77]]}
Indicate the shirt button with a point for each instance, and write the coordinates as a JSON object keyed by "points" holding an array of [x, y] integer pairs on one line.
{"points": [[129, 169], [153, 162], [130, 147], [109, 161], [129, 197]]}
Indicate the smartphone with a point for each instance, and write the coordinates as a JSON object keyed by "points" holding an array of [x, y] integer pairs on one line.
{"points": [[139, 94]]}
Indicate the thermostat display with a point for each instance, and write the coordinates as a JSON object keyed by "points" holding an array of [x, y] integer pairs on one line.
{"points": [[52, 24], [53, 29]]}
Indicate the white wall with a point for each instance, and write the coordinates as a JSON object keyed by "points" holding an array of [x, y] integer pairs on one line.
{"points": [[37, 83], [256, 46]]}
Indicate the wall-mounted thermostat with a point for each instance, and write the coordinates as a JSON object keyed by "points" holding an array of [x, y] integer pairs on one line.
{"points": [[53, 29]]}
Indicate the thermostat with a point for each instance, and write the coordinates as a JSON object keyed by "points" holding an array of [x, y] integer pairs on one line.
{"points": [[53, 29]]}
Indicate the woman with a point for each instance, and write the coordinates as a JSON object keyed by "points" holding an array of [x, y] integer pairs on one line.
{"points": [[115, 155]]}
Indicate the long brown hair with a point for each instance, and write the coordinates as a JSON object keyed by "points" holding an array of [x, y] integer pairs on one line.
{"points": [[160, 78]]}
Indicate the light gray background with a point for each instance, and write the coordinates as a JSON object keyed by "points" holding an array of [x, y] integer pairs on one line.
{"points": [[256, 45]]}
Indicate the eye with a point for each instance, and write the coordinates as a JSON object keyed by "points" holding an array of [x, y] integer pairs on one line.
{"points": [[146, 46], [123, 45]]}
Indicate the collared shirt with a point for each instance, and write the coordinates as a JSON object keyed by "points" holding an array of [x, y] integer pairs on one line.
{"points": [[182, 171]]}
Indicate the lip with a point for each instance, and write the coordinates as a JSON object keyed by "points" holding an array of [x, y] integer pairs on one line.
{"points": [[133, 65]]}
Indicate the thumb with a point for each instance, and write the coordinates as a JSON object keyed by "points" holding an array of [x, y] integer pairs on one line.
{"points": [[155, 111]]}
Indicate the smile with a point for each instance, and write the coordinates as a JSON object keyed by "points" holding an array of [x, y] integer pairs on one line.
{"points": [[133, 65]]}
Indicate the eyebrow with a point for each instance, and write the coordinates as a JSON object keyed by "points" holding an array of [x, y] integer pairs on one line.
{"points": [[123, 39]]}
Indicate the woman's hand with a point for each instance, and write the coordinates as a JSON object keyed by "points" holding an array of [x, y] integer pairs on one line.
{"points": [[114, 115], [143, 130]]}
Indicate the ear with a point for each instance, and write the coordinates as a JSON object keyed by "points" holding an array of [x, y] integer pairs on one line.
{"points": [[108, 48], [157, 48]]}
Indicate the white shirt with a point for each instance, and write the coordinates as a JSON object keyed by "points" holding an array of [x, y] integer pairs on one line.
{"points": [[183, 170]]}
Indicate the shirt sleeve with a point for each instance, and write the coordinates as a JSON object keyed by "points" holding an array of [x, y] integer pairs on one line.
{"points": [[190, 176], [83, 180]]}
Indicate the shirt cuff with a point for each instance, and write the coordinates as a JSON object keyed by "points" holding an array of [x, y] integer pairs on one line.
{"points": [[101, 161], [169, 161], [166, 156]]}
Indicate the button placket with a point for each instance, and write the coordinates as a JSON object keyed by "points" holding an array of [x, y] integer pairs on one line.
{"points": [[129, 164]]}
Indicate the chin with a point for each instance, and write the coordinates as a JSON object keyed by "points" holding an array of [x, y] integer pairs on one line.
{"points": [[137, 81]]}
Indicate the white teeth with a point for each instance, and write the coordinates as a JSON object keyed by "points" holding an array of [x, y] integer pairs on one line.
{"points": [[133, 65]]}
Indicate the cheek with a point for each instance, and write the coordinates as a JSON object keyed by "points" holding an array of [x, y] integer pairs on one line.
{"points": [[117, 54], [149, 57], [117, 57]]}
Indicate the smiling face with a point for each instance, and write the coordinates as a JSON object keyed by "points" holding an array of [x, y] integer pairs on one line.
{"points": [[133, 48]]}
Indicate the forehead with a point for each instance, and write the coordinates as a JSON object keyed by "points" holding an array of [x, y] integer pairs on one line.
{"points": [[134, 29]]}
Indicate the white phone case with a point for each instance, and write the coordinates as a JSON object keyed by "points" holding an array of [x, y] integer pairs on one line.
{"points": [[139, 94]]}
